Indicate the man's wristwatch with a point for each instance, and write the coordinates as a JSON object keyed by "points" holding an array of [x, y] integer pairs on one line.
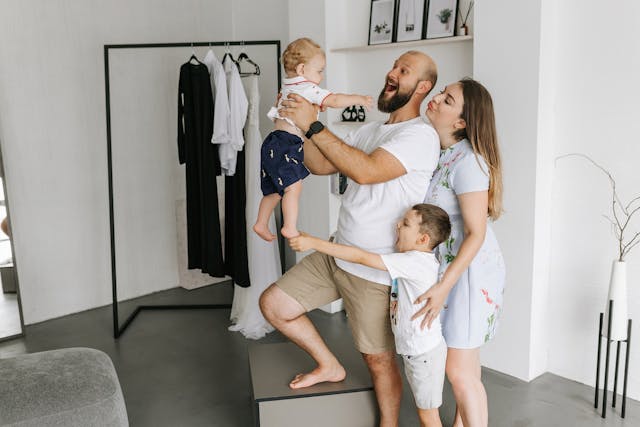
{"points": [[315, 127]]}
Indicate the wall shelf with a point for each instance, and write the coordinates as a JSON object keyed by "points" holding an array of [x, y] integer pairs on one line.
{"points": [[414, 43]]}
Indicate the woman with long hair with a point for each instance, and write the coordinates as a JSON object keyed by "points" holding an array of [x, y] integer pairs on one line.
{"points": [[467, 184]]}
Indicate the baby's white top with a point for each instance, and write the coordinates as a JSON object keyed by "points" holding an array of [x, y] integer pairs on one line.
{"points": [[300, 86]]}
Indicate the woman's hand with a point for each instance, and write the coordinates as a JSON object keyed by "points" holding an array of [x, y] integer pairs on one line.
{"points": [[302, 242], [435, 298]]}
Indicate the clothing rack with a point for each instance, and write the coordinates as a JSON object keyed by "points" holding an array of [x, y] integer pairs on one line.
{"points": [[117, 328]]}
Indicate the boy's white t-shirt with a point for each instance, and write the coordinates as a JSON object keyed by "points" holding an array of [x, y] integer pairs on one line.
{"points": [[412, 274], [300, 86], [369, 212]]}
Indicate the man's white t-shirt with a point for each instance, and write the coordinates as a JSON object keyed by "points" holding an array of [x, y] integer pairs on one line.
{"points": [[413, 273], [370, 212]]}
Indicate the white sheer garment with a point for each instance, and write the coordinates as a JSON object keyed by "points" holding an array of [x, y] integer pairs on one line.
{"points": [[264, 257]]}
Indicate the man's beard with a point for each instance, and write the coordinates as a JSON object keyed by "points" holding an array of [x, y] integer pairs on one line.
{"points": [[396, 102]]}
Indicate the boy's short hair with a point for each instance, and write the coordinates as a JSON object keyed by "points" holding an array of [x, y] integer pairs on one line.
{"points": [[434, 221], [299, 52]]}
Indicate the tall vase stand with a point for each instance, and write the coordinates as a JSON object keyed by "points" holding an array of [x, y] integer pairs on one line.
{"points": [[606, 365]]}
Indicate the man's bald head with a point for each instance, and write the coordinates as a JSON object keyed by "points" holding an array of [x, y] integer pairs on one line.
{"points": [[410, 80], [425, 66]]}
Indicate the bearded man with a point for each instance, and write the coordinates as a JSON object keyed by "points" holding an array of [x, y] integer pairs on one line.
{"points": [[389, 165]]}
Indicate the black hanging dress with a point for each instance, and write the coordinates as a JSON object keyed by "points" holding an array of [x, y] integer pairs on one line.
{"points": [[195, 127], [235, 225]]}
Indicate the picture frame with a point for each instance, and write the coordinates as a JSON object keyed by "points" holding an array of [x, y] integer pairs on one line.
{"points": [[441, 18], [381, 21], [410, 20]]}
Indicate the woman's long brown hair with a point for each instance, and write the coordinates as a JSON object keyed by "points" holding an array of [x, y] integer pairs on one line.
{"points": [[477, 112]]}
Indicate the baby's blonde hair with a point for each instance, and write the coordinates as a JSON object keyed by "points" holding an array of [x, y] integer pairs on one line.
{"points": [[299, 51]]}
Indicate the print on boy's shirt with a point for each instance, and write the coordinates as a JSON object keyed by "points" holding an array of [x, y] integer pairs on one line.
{"points": [[393, 305]]}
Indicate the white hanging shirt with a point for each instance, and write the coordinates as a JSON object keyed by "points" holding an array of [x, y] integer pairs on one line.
{"points": [[300, 86], [238, 105], [221, 113], [369, 212], [412, 274]]}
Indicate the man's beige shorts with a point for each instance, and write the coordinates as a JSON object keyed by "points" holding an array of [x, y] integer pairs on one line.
{"points": [[317, 280]]}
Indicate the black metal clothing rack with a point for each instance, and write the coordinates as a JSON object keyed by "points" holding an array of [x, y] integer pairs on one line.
{"points": [[117, 328]]}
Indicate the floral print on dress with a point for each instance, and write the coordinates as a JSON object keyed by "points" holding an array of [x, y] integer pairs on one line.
{"points": [[492, 320], [449, 255], [443, 170]]}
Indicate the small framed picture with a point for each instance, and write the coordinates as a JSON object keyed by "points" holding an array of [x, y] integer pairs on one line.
{"points": [[441, 18], [381, 21], [409, 20]]}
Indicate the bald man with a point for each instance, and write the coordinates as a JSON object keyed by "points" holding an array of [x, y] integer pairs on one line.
{"points": [[389, 165]]}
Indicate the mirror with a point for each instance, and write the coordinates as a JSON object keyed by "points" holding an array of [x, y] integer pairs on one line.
{"points": [[11, 320]]}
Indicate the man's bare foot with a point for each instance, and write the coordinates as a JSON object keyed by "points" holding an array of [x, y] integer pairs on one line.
{"points": [[318, 375], [263, 231], [289, 232]]}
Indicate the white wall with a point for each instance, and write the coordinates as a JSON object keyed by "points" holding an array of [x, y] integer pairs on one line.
{"points": [[53, 131], [540, 323], [506, 61], [559, 86], [596, 110], [314, 202]]}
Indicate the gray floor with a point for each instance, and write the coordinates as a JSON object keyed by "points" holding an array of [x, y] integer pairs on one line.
{"points": [[9, 315], [183, 368]]}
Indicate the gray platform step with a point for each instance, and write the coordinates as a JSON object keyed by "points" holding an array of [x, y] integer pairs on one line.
{"points": [[349, 403]]}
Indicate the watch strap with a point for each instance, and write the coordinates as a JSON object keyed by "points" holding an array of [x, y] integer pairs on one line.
{"points": [[315, 127]]}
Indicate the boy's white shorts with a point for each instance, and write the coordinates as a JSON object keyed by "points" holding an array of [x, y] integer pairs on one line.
{"points": [[425, 373]]}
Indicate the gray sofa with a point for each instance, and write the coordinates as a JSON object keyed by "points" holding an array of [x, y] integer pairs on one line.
{"points": [[68, 387]]}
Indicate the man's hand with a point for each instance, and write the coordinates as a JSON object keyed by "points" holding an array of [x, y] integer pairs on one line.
{"points": [[435, 298], [302, 242], [300, 111]]}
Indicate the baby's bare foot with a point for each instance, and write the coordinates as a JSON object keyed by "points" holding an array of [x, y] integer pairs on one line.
{"points": [[332, 374], [289, 232], [263, 231]]}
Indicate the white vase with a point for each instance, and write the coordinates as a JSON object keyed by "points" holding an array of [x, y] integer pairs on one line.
{"points": [[617, 293]]}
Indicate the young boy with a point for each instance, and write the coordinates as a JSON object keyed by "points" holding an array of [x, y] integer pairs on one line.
{"points": [[282, 154], [413, 270]]}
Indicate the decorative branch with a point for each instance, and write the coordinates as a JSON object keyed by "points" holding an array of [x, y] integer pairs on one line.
{"points": [[631, 202], [627, 248], [622, 214], [468, 12], [463, 22]]}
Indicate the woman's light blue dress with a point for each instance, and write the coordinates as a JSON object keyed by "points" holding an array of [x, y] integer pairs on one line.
{"points": [[474, 305]]}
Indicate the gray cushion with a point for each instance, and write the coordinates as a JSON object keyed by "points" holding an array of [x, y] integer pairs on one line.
{"points": [[68, 387]]}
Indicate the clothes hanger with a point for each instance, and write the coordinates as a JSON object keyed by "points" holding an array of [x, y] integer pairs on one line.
{"points": [[244, 57], [227, 54], [194, 57]]}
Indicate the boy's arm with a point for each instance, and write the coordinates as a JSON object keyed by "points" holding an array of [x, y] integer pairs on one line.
{"points": [[304, 242], [341, 100]]}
